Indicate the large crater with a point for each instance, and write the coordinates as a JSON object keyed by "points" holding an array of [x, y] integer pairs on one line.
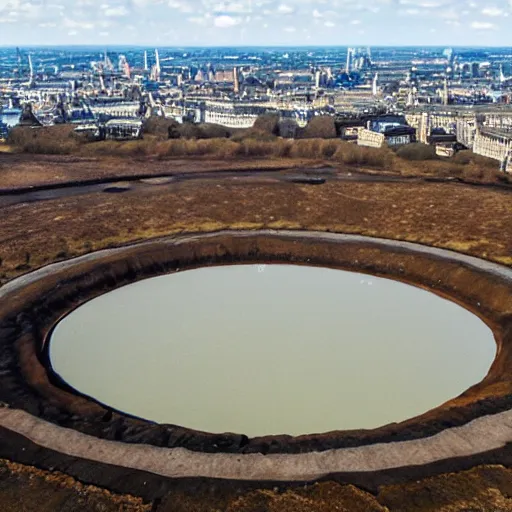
{"points": [[271, 349], [469, 428]]}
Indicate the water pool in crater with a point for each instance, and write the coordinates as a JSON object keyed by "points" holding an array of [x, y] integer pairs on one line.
{"points": [[273, 349]]}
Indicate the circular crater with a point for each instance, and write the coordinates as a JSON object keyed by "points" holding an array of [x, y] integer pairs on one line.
{"points": [[44, 409], [271, 349]]}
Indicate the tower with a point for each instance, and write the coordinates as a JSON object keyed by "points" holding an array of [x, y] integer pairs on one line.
{"points": [[146, 68], [375, 84], [424, 127], [317, 79], [410, 97], [348, 67], [236, 80], [124, 67], [107, 63], [157, 66], [445, 91], [502, 75], [31, 68]]}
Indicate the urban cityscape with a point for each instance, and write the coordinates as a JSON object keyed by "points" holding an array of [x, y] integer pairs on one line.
{"points": [[452, 98], [255, 256]]}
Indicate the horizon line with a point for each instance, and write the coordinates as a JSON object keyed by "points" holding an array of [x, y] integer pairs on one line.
{"points": [[128, 45]]}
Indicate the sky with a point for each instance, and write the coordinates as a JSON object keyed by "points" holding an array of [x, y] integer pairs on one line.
{"points": [[256, 22]]}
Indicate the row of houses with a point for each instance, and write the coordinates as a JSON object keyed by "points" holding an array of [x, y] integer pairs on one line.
{"points": [[242, 113], [487, 135], [494, 144]]}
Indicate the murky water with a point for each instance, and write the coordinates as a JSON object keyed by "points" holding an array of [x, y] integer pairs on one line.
{"points": [[272, 349]]}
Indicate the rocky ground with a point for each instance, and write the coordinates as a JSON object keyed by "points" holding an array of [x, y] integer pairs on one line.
{"points": [[482, 489]]}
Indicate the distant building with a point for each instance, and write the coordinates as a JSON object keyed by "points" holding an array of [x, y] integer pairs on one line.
{"points": [[224, 76], [390, 129], [349, 128], [495, 144], [89, 132], [123, 129], [236, 80], [400, 135]]}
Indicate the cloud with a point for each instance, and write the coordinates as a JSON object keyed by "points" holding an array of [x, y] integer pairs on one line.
{"points": [[21, 9], [198, 20], [32, 21], [231, 7], [181, 5], [426, 4], [285, 9], [492, 11], [226, 21], [482, 25], [9, 4], [74, 24], [115, 12], [144, 3], [450, 14]]}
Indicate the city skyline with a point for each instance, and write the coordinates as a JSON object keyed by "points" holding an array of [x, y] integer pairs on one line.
{"points": [[193, 23]]}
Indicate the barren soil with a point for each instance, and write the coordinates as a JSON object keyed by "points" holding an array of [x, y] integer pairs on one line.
{"points": [[21, 170], [472, 220]]}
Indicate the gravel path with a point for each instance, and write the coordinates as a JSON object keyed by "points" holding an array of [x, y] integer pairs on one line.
{"points": [[479, 436]]}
